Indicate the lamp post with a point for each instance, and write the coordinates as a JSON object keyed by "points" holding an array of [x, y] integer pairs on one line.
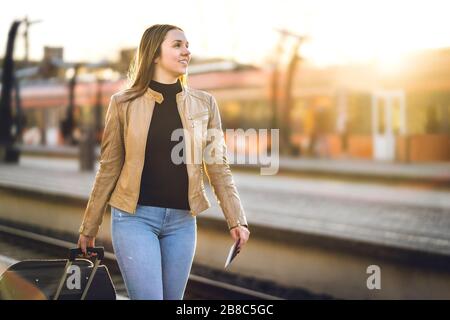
{"points": [[7, 151]]}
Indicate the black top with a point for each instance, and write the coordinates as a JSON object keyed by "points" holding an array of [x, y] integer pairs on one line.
{"points": [[164, 183]]}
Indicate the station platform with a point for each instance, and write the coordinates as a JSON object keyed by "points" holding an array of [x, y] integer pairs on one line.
{"points": [[432, 172], [318, 231]]}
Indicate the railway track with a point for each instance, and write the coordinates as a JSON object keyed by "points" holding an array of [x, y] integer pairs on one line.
{"points": [[16, 245]]}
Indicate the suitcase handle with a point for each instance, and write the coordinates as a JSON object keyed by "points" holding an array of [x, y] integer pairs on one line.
{"points": [[74, 253]]}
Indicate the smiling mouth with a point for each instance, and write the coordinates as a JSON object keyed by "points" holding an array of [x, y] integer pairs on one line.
{"points": [[184, 63]]}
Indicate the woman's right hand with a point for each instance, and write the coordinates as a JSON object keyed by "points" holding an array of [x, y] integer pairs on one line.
{"points": [[85, 242]]}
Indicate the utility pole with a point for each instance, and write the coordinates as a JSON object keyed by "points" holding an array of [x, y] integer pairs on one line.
{"points": [[275, 80], [274, 89], [27, 23], [285, 144]]}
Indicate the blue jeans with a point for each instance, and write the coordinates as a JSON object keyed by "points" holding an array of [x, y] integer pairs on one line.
{"points": [[155, 249]]}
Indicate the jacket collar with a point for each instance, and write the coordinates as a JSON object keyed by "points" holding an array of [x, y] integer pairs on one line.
{"points": [[158, 97]]}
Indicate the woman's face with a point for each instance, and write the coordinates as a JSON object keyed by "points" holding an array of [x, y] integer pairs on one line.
{"points": [[175, 55]]}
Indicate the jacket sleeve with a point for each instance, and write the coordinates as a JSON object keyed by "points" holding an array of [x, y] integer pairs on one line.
{"points": [[219, 173], [111, 162]]}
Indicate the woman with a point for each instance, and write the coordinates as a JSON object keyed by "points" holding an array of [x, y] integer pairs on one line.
{"points": [[154, 197]]}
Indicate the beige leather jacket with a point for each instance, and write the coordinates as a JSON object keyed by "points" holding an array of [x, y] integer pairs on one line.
{"points": [[118, 179]]}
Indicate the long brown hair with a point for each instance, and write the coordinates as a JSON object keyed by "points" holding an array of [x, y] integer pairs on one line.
{"points": [[142, 67]]}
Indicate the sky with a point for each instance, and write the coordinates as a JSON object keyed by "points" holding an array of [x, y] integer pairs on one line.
{"points": [[338, 31]]}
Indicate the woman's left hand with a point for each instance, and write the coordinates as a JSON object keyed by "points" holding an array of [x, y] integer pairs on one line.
{"points": [[241, 233]]}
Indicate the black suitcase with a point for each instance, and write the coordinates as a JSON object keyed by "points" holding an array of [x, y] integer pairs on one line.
{"points": [[60, 279]]}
